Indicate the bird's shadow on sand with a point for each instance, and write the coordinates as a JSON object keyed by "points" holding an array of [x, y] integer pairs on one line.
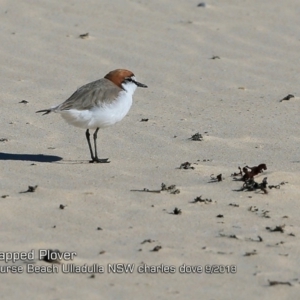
{"points": [[30, 157]]}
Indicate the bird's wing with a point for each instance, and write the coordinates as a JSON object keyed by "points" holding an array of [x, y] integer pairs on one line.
{"points": [[90, 95]]}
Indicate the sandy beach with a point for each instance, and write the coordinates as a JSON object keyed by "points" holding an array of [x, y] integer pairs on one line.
{"points": [[220, 70]]}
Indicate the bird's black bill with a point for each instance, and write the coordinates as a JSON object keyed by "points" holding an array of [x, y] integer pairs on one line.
{"points": [[45, 111], [140, 84]]}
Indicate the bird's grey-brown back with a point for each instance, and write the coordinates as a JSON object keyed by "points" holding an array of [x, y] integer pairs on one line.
{"points": [[95, 93]]}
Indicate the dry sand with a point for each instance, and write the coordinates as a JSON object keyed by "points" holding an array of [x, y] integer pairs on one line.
{"points": [[232, 100]]}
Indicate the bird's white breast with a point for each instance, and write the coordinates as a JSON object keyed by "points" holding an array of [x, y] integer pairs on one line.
{"points": [[102, 115]]}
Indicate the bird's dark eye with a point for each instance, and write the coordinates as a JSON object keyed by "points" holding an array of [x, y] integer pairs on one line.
{"points": [[129, 79]]}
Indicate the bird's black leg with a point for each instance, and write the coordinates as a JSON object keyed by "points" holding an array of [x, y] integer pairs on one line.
{"points": [[87, 134], [96, 159], [95, 143]]}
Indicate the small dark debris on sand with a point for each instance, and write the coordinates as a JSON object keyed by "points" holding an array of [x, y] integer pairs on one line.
{"points": [[253, 209], [265, 214], [99, 228], [259, 239], [277, 186], [102, 252], [144, 120], [92, 276], [279, 228], [147, 241], [249, 172], [218, 178], [234, 204], [156, 248], [220, 216], [186, 166], [146, 190], [240, 173], [288, 97], [171, 189], [84, 35], [215, 57], [176, 191], [3, 140], [177, 211], [196, 137], [251, 185], [61, 206], [31, 189], [4, 196], [254, 252], [231, 236], [274, 186], [49, 257], [200, 200], [274, 282], [201, 4], [24, 101]]}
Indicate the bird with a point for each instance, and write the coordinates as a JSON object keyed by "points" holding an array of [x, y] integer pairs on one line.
{"points": [[99, 104]]}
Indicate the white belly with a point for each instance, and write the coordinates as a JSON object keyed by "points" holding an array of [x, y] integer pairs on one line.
{"points": [[99, 116]]}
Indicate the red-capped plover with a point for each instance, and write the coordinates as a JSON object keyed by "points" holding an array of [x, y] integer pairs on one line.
{"points": [[99, 104]]}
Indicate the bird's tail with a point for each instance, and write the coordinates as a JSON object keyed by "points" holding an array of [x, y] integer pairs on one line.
{"points": [[44, 111]]}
